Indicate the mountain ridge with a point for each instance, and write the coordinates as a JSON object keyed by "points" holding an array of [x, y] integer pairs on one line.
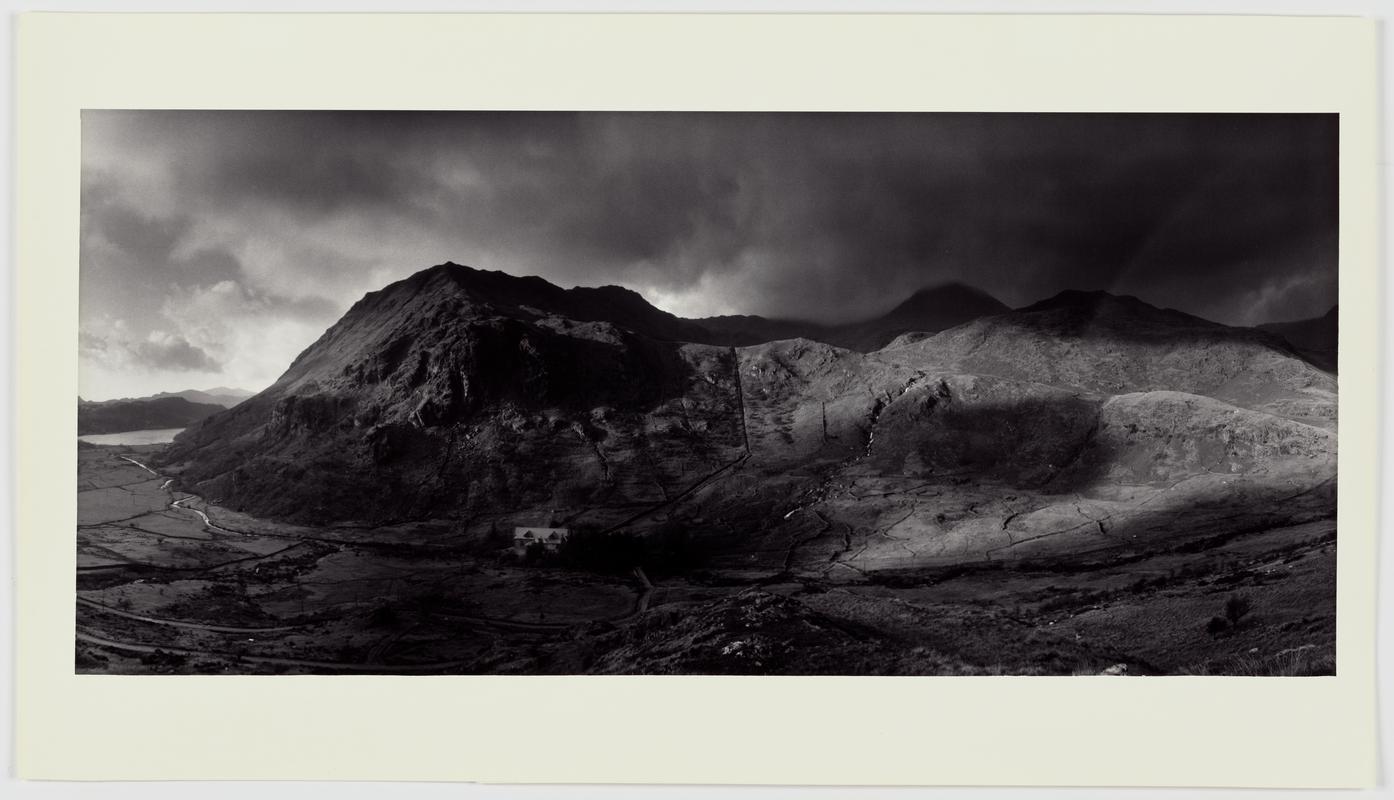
{"points": [[433, 400], [931, 308], [224, 396]]}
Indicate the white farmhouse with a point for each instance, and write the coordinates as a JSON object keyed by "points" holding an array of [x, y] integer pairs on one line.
{"points": [[549, 538]]}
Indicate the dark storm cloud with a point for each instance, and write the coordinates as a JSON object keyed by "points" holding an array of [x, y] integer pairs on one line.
{"points": [[824, 216], [173, 354], [167, 352], [128, 255]]}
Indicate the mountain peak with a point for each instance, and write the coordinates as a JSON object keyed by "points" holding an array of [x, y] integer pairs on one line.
{"points": [[951, 291], [457, 295], [938, 307], [505, 289], [950, 287], [1084, 298], [1074, 310], [484, 283]]}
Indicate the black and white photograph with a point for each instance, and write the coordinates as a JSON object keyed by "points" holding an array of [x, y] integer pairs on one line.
{"points": [[698, 393]]}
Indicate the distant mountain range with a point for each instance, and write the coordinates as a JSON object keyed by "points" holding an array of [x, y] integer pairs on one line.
{"points": [[224, 396], [116, 416], [928, 310], [163, 410], [493, 400]]}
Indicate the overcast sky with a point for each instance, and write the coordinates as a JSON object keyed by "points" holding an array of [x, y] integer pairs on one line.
{"points": [[216, 245]]}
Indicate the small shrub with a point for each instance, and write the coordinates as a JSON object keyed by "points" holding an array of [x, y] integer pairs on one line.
{"points": [[535, 554], [429, 601], [1236, 608], [495, 540], [668, 549], [162, 658], [534, 583], [384, 616]]}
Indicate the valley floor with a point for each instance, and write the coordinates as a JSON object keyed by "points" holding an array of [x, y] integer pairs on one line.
{"points": [[168, 583]]}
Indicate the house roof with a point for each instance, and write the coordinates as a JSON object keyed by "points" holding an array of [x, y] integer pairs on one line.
{"points": [[541, 533]]}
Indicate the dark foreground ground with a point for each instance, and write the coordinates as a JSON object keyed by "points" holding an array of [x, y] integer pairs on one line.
{"points": [[161, 591]]}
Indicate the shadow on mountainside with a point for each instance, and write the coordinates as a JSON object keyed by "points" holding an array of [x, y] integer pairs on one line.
{"points": [[494, 425]]}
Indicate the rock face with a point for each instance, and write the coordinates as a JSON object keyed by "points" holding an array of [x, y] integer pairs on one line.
{"points": [[116, 416], [1082, 424]]}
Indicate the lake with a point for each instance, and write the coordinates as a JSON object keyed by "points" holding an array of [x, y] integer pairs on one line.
{"points": [[154, 436]]}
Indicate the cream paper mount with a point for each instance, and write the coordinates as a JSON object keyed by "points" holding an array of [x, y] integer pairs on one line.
{"points": [[1178, 731]]}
